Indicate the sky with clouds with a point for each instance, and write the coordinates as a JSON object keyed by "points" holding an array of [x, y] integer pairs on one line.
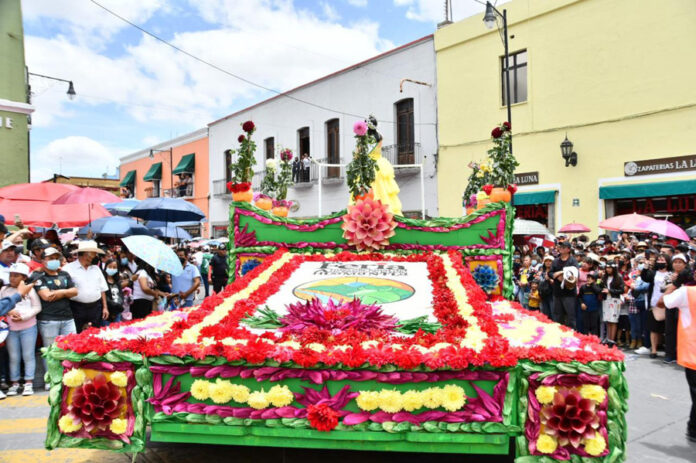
{"points": [[134, 91]]}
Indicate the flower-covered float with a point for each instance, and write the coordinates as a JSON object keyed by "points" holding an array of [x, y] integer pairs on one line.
{"points": [[406, 345]]}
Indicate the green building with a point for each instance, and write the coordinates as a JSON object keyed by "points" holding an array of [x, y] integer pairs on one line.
{"points": [[14, 109]]}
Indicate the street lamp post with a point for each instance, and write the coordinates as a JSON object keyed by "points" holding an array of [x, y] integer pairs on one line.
{"points": [[490, 21], [71, 88], [171, 167]]}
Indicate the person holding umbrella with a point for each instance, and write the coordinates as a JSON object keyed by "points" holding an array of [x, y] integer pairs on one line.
{"points": [[144, 290], [89, 305]]}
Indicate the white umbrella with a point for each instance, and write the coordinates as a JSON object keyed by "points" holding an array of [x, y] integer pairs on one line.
{"points": [[529, 227]]}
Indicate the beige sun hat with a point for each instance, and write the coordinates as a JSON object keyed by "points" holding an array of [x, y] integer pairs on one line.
{"points": [[88, 246]]}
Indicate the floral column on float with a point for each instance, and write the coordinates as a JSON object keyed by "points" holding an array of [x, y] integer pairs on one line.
{"points": [[242, 172], [274, 186], [492, 180]]}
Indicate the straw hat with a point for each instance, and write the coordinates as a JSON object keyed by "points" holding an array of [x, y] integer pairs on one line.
{"points": [[88, 246]]}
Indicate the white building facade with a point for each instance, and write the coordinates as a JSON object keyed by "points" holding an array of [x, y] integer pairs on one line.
{"points": [[398, 87]]}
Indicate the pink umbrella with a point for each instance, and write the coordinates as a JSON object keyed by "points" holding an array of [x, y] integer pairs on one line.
{"points": [[90, 196], [626, 222], [574, 228], [45, 214], [43, 191], [665, 228]]}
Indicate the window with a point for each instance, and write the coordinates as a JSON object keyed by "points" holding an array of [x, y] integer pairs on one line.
{"points": [[155, 189], [333, 150], [303, 141], [270, 147], [404, 131], [228, 163], [518, 77]]}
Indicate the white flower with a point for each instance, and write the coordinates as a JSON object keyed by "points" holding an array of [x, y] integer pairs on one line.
{"points": [[271, 164]]}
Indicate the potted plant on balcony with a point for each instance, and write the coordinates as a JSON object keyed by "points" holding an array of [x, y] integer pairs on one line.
{"points": [[240, 185], [274, 186]]}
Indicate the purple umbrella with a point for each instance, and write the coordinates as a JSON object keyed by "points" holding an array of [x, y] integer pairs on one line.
{"points": [[663, 227]]}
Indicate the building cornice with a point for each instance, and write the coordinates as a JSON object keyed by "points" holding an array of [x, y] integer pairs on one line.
{"points": [[15, 107], [165, 145]]}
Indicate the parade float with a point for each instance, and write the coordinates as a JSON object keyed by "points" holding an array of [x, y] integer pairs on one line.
{"points": [[359, 330]]}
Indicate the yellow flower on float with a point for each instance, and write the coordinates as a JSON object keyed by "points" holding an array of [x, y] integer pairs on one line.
{"points": [[545, 394], [390, 401], [546, 444], [596, 445], [479, 174], [432, 397], [453, 397], [368, 400], [119, 378], [316, 347], [280, 396], [220, 391], [67, 425], [593, 392], [240, 393], [411, 400], [292, 344], [481, 194], [257, 400], [200, 389], [119, 426], [74, 378]]}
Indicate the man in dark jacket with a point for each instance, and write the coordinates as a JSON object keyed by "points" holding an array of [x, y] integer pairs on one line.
{"points": [[564, 293], [218, 266]]}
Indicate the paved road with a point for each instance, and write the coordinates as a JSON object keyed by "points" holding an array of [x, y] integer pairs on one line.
{"points": [[659, 406]]}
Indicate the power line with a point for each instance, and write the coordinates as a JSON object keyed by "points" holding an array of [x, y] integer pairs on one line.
{"points": [[238, 77]]}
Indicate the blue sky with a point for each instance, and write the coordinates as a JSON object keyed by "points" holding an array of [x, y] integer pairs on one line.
{"points": [[134, 92]]}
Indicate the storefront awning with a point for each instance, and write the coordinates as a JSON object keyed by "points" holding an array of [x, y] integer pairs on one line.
{"points": [[648, 190], [129, 179], [186, 165], [524, 198], [155, 172]]}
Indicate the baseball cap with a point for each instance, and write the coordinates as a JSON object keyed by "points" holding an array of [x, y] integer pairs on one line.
{"points": [[7, 245], [50, 251], [20, 268], [39, 244], [680, 256], [564, 244]]}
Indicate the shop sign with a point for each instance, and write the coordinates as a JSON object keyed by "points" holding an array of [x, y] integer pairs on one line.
{"points": [[660, 166], [670, 205], [538, 212], [527, 178]]}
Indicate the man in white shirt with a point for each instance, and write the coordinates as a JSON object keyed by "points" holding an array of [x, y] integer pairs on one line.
{"points": [[89, 306], [186, 284], [8, 256]]}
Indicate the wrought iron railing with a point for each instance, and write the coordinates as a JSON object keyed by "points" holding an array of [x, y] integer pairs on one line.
{"points": [[403, 154]]}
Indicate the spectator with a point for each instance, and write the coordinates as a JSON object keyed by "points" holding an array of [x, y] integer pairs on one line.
{"points": [[144, 291], [218, 266], [296, 168], [89, 304], [37, 248], [186, 284], [6, 305], [21, 340], [205, 269], [680, 275], [534, 300], [590, 303], [564, 290], [612, 289], [306, 163], [638, 291], [114, 292], [657, 276], [8, 256], [546, 287], [526, 275]]}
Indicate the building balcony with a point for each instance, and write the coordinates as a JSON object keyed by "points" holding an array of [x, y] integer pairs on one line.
{"points": [[152, 192], [180, 191], [400, 155], [220, 186]]}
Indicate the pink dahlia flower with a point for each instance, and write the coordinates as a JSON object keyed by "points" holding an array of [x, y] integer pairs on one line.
{"points": [[360, 128], [368, 225], [570, 418]]}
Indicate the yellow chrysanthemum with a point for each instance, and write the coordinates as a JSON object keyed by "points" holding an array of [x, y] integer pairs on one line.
{"points": [[74, 378], [596, 445], [119, 426], [257, 400], [593, 392], [220, 391], [432, 397], [411, 400], [544, 394], [390, 401], [453, 397], [368, 400], [119, 378], [240, 393], [280, 396], [546, 444], [200, 389], [67, 425]]}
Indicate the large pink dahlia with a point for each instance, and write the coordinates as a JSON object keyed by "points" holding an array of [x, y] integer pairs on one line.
{"points": [[97, 403], [368, 225], [570, 418], [336, 317]]}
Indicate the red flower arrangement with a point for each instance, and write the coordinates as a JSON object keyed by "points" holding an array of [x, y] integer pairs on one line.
{"points": [[497, 132], [507, 126], [238, 187], [487, 188], [570, 418], [97, 403], [241, 138], [322, 417], [512, 188], [248, 127]]}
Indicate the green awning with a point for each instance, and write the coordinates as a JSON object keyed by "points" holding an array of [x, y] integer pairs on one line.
{"points": [[186, 165], [129, 179], [155, 172], [524, 198], [648, 190]]}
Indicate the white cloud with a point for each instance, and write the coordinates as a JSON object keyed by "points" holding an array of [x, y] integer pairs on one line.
{"points": [[78, 156], [358, 3], [330, 12], [151, 140], [434, 10]]}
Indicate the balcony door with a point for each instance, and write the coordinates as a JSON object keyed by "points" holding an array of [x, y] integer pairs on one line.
{"points": [[333, 150], [405, 132]]}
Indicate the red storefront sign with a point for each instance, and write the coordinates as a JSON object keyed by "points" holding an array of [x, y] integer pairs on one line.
{"points": [[671, 205], [538, 212]]}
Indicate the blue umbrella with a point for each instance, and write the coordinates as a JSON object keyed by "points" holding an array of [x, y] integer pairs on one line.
{"points": [[167, 210], [171, 231], [154, 252], [114, 227], [121, 208]]}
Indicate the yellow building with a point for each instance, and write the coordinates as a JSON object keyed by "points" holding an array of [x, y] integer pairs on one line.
{"points": [[618, 77]]}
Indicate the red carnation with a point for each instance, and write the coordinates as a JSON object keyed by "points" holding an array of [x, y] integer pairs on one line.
{"points": [[238, 187], [241, 138], [497, 132], [512, 188], [507, 126], [487, 189], [322, 417], [248, 126]]}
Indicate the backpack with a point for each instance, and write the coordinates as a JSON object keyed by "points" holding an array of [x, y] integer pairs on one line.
{"points": [[545, 288]]}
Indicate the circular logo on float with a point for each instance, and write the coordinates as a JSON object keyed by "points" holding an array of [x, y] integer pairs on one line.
{"points": [[343, 289], [630, 168]]}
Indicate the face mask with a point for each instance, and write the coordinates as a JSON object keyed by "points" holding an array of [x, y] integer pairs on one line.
{"points": [[124, 261], [534, 262], [182, 259], [516, 256], [111, 271], [641, 267], [53, 265], [660, 266]]}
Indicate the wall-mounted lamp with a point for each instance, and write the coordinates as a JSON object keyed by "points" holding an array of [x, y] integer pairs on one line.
{"points": [[570, 156]]}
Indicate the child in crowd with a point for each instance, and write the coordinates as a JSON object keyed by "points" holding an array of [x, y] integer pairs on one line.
{"points": [[21, 340], [534, 297], [590, 304], [174, 302]]}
